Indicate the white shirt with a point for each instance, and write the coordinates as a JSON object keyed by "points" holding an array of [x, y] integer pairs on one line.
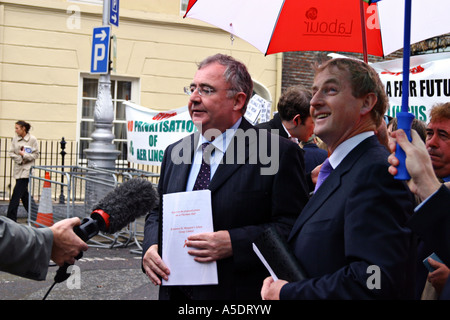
{"points": [[220, 146]]}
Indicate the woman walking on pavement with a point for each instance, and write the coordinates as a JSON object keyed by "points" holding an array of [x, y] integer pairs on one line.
{"points": [[24, 151]]}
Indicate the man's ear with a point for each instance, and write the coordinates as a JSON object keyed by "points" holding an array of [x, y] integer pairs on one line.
{"points": [[369, 102], [239, 101]]}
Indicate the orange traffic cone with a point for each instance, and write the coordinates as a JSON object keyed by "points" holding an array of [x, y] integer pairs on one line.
{"points": [[45, 210]]}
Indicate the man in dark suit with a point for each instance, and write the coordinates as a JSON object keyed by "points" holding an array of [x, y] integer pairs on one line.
{"points": [[274, 124], [248, 192], [351, 238], [292, 120]]}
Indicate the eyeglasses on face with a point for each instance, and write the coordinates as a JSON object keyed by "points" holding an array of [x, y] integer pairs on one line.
{"points": [[202, 90]]}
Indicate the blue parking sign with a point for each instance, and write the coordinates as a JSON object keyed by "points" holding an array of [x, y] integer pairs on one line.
{"points": [[114, 12], [100, 50]]}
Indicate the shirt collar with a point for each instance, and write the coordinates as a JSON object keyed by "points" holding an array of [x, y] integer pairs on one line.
{"points": [[289, 135], [25, 138], [221, 142], [345, 147]]}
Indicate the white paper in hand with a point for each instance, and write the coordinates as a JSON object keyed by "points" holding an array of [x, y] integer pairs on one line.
{"points": [[185, 214]]}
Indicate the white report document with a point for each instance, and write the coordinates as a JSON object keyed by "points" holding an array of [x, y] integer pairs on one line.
{"points": [[185, 214]]}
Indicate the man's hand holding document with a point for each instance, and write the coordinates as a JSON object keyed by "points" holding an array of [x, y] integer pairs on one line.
{"points": [[186, 214]]}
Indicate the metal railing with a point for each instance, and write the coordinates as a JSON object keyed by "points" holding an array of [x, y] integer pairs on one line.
{"points": [[57, 153], [79, 189]]}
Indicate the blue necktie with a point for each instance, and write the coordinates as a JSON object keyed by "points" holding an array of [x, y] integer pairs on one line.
{"points": [[324, 172], [202, 181]]}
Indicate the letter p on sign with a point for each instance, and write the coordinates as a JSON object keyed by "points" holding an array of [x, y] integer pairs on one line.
{"points": [[100, 50]]}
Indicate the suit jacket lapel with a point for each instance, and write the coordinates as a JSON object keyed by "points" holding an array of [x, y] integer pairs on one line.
{"points": [[325, 191], [332, 183], [180, 172]]}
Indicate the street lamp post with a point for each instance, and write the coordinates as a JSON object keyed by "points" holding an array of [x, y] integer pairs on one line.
{"points": [[102, 152]]}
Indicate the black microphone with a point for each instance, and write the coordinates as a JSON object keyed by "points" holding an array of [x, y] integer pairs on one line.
{"points": [[132, 199]]}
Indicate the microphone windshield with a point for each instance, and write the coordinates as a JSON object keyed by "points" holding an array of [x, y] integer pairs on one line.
{"points": [[132, 199]]}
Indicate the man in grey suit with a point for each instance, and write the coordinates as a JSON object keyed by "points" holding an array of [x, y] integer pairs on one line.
{"points": [[256, 181], [351, 238]]}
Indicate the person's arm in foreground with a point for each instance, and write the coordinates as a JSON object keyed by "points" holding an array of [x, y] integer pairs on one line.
{"points": [[26, 251]]}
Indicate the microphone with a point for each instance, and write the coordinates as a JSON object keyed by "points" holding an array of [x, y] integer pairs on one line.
{"points": [[132, 199]]}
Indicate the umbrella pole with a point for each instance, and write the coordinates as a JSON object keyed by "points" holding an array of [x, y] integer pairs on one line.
{"points": [[405, 118], [406, 56], [363, 30]]}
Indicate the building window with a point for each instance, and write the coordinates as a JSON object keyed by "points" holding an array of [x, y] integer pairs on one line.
{"points": [[121, 90]]}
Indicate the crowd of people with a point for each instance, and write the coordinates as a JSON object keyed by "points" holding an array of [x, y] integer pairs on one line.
{"points": [[333, 196], [359, 217]]}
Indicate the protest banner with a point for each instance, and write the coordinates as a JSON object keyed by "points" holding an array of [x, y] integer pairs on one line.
{"points": [[429, 83], [149, 131]]}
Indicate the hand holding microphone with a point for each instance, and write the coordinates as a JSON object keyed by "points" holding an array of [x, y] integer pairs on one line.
{"points": [[132, 199], [66, 244]]}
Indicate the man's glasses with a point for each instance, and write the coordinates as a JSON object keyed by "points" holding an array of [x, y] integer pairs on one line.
{"points": [[207, 91], [202, 91]]}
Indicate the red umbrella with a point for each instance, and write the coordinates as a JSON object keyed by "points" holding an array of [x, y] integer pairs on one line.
{"points": [[309, 25], [323, 25]]}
